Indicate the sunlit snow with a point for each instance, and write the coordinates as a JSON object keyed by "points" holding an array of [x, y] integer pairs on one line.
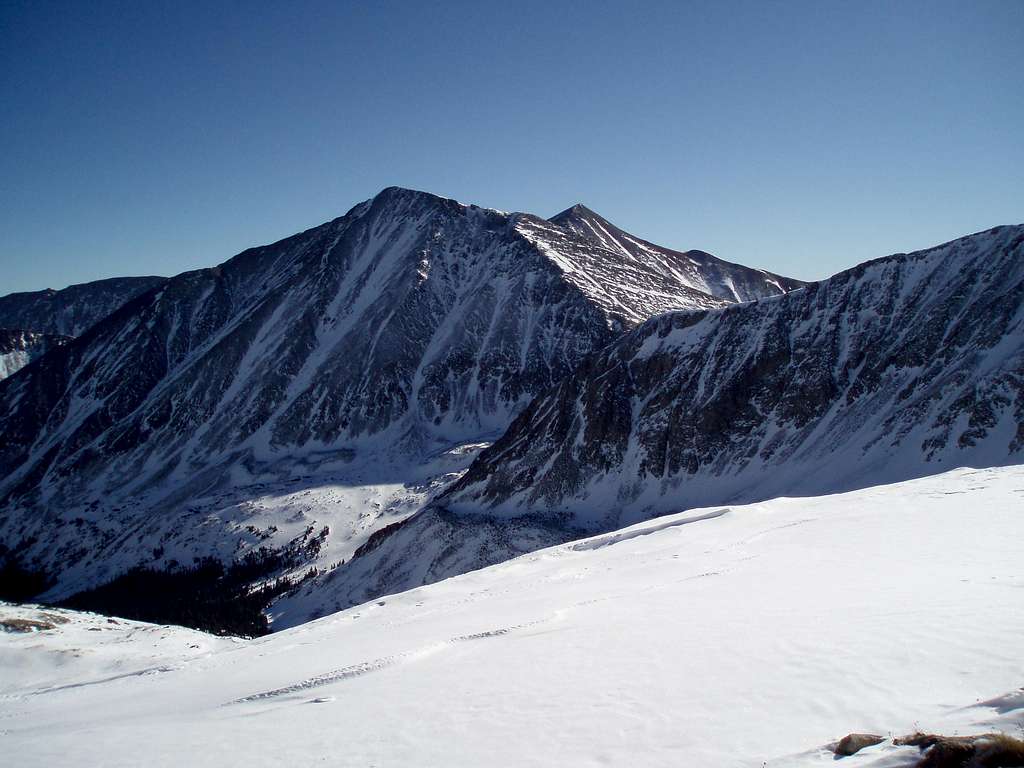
{"points": [[746, 635]]}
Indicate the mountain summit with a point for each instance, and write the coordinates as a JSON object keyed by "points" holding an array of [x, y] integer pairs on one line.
{"points": [[699, 270]]}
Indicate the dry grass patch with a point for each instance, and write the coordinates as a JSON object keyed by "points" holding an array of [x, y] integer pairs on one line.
{"points": [[25, 625], [41, 623]]}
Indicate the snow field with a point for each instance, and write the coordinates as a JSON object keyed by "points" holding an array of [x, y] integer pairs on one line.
{"points": [[750, 636]]}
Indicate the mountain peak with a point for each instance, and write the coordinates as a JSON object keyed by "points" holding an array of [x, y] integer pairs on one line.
{"points": [[708, 274], [396, 191], [402, 200], [577, 211], [405, 194]]}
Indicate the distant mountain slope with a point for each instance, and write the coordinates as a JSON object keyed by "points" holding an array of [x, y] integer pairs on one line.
{"points": [[697, 269], [73, 310], [409, 325], [901, 367], [18, 348]]}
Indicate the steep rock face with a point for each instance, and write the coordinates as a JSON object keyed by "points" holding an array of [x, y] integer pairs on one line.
{"points": [[72, 310], [901, 367], [406, 326], [18, 348]]}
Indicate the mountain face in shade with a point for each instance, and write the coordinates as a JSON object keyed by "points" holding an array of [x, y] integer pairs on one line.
{"points": [[19, 348], [407, 326], [901, 367], [73, 310]]}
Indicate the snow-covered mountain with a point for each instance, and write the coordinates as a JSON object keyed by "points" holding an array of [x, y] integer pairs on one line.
{"points": [[72, 310], [18, 348], [697, 269], [310, 369], [743, 636], [901, 367]]}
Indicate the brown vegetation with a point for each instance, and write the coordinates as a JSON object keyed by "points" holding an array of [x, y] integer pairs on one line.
{"points": [[44, 622], [987, 750]]}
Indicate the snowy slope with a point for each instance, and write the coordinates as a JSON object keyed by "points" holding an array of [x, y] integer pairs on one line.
{"points": [[754, 636], [301, 383], [73, 310], [18, 348], [47, 649]]}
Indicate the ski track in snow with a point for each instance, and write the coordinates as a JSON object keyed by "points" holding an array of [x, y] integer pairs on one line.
{"points": [[366, 667]]}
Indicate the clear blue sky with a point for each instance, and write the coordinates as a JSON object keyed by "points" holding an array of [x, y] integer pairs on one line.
{"points": [[803, 137]]}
